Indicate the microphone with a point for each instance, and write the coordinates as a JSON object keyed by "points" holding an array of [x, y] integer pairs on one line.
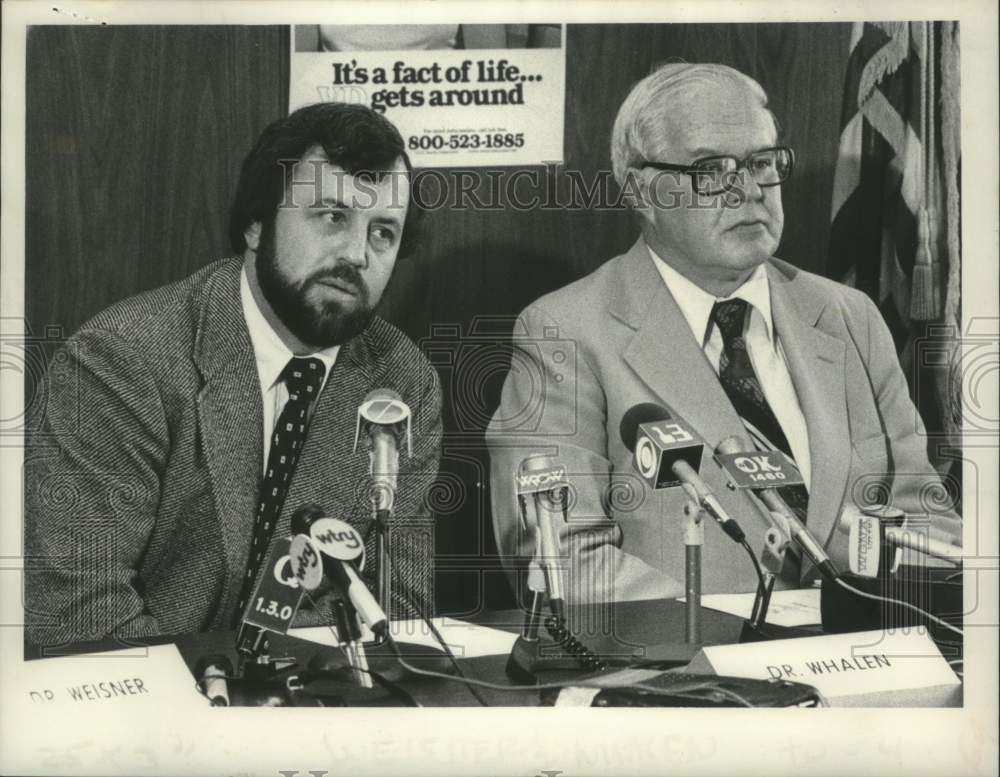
{"points": [[667, 453], [272, 606], [874, 529], [385, 418], [213, 673], [334, 546], [541, 493], [756, 470]]}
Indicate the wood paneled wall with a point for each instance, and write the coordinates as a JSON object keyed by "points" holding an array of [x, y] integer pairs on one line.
{"points": [[134, 140]]}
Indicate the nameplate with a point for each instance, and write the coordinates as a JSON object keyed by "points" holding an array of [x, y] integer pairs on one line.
{"points": [[841, 665], [157, 680]]}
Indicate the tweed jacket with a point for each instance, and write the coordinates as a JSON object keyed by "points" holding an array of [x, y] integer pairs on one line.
{"points": [[142, 473], [588, 352]]}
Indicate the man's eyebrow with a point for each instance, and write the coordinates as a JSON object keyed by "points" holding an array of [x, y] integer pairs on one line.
{"points": [[701, 152], [390, 219], [333, 202]]}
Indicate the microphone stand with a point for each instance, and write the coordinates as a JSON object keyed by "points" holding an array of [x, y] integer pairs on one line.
{"points": [[350, 638], [526, 657], [533, 617], [772, 560], [533, 653], [777, 539], [765, 587], [694, 539], [383, 582], [258, 680], [384, 655], [384, 464], [252, 643]]}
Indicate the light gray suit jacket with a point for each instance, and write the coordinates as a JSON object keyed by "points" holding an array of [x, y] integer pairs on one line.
{"points": [[143, 469], [587, 353]]}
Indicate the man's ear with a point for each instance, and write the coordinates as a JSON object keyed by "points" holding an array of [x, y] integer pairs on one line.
{"points": [[252, 235], [635, 193]]}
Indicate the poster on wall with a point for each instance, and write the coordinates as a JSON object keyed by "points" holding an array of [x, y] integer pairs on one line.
{"points": [[462, 95]]}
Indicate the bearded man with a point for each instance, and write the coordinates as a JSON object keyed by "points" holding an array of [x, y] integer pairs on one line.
{"points": [[201, 414]]}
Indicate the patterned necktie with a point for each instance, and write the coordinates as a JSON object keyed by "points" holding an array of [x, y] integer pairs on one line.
{"points": [[303, 378], [738, 378]]}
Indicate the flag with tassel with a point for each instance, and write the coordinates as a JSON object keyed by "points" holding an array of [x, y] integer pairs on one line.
{"points": [[895, 230]]}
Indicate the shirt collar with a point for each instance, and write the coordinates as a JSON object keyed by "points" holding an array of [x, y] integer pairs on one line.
{"points": [[270, 353], [696, 303]]}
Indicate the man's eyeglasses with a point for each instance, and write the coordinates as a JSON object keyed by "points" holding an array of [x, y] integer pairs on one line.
{"points": [[717, 174]]}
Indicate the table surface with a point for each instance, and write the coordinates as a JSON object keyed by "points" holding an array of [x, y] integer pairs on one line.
{"points": [[619, 629]]}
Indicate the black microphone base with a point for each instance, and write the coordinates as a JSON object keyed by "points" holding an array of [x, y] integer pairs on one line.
{"points": [[532, 661], [937, 590], [667, 655], [529, 657], [265, 684], [768, 631]]}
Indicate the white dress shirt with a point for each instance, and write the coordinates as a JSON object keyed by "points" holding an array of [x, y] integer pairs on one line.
{"points": [[271, 355], [763, 345]]}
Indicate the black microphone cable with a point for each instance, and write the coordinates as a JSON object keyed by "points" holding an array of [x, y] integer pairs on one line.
{"points": [[384, 682], [756, 563], [472, 683], [889, 600], [874, 597], [569, 683], [558, 629], [405, 595], [565, 639]]}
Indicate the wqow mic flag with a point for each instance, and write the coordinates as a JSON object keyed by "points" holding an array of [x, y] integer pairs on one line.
{"points": [[462, 95], [896, 221]]}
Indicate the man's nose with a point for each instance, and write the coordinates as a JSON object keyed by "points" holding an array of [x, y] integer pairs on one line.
{"points": [[354, 249], [751, 189], [744, 188]]}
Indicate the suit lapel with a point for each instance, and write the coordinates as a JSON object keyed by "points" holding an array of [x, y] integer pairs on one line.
{"points": [[672, 364], [666, 356], [816, 363], [230, 416]]}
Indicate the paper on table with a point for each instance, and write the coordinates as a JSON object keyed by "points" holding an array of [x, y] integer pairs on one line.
{"points": [[118, 682], [465, 639], [793, 607]]}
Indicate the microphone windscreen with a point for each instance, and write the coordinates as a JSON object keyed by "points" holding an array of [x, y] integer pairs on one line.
{"points": [[383, 407], [643, 413], [304, 516], [383, 393]]}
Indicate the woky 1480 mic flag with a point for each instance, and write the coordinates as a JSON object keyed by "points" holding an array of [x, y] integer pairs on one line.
{"points": [[763, 472]]}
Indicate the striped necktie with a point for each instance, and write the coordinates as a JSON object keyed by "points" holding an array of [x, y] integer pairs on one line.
{"points": [[740, 382]]}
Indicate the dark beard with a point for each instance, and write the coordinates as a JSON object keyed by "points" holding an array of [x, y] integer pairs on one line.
{"points": [[320, 326]]}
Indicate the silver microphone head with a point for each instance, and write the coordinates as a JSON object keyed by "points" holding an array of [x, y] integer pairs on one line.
{"points": [[384, 409]]}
